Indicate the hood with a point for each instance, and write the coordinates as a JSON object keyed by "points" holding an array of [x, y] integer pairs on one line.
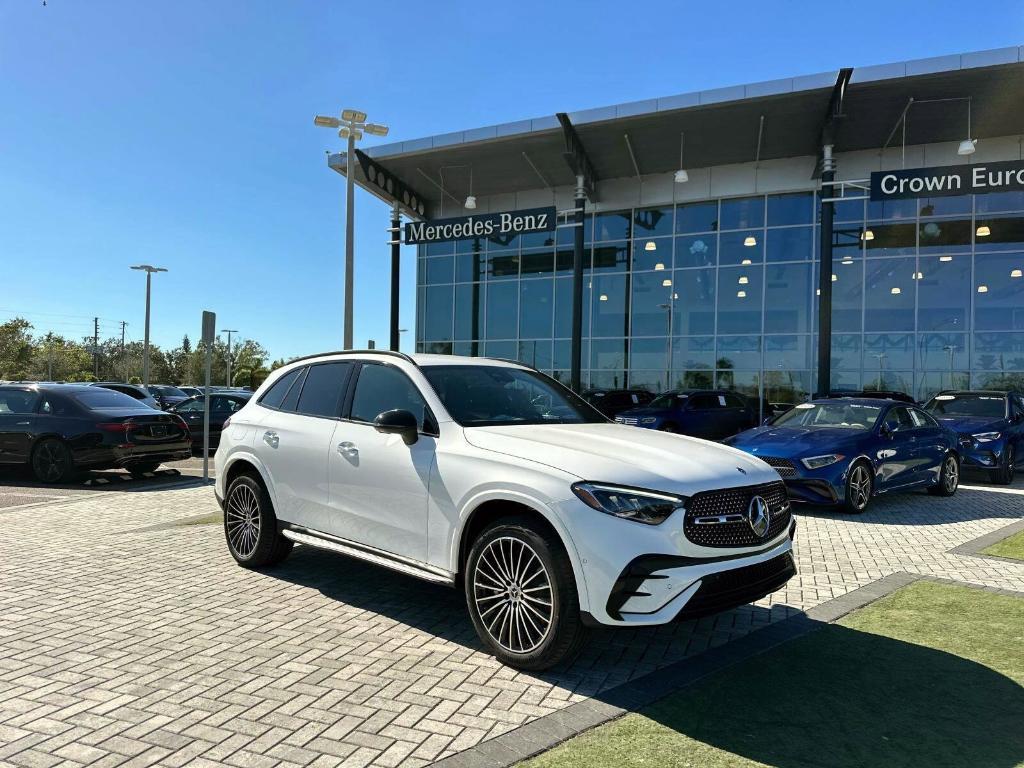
{"points": [[615, 453], [797, 442], [644, 411], [971, 424]]}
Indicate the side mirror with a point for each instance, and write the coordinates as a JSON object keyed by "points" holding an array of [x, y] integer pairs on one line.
{"points": [[398, 422]]}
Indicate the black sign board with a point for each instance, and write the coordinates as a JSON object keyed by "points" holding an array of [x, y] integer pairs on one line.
{"points": [[977, 179], [494, 225]]}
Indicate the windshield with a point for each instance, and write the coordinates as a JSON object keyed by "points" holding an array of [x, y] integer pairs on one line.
{"points": [[849, 415], [491, 395], [105, 399], [166, 391], [970, 404], [668, 400]]}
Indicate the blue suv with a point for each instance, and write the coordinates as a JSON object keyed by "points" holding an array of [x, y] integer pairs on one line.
{"points": [[844, 451], [990, 424]]}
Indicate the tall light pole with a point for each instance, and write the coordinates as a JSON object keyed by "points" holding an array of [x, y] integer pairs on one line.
{"points": [[229, 331], [351, 126], [149, 270]]}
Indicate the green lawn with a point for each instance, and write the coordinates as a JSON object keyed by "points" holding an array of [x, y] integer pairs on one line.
{"points": [[1011, 546], [928, 676]]}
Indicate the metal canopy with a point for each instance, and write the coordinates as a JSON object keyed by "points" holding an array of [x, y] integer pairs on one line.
{"points": [[718, 133]]}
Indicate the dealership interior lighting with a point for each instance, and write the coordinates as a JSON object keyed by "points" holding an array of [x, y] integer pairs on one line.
{"points": [[681, 176]]}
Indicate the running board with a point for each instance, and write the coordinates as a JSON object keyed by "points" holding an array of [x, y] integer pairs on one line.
{"points": [[370, 555]]}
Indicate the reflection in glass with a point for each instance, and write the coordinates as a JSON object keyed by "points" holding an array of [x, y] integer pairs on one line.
{"points": [[790, 244], [999, 352], [1001, 305], [742, 213], [611, 257], [469, 311], [744, 247], [440, 269], [889, 295], [846, 355], [502, 311], [943, 293], [787, 298], [696, 250], [739, 303], [535, 309], [890, 239], [797, 208], [944, 236], [941, 351], [652, 222], [612, 226], [693, 310], [693, 352], [608, 305], [437, 313], [739, 352], [697, 217], [651, 306], [1004, 233]]}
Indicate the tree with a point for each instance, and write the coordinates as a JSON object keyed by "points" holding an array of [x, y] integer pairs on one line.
{"points": [[15, 349]]}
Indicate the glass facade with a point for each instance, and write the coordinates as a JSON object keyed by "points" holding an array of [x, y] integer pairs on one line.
{"points": [[927, 294]]}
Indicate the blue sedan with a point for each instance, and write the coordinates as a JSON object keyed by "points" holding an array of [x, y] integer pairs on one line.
{"points": [[990, 425], [844, 451]]}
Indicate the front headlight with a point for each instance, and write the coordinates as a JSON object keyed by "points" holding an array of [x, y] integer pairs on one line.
{"points": [[817, 462], [648, 420], [987, 437], [648, 507]]}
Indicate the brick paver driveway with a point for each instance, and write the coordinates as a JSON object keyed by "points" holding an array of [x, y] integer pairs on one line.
{"points": [[126, 640]]}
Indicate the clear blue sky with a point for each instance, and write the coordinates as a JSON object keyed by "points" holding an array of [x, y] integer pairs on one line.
{"points": [[180, 134]]}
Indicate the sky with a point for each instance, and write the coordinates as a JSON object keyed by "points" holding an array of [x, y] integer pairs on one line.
{"points": [[181, 135]]}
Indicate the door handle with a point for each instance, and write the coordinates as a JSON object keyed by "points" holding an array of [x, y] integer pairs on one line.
{"points": [[271, 439], [348, 449], [22, 423]]}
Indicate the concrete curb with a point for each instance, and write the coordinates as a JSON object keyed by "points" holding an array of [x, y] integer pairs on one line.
{"points": [[974, 547]]}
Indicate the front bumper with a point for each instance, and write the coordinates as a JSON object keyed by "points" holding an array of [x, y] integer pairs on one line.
{"points": [[641, 575], [978, 455]]}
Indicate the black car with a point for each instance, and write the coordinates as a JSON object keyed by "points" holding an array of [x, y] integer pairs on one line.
{"points": [[710, 414], [167, 395], [222, 405], [612, 402], [60, 428], [990, 424]]}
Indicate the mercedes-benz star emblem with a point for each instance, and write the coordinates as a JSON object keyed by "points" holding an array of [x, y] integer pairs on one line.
{"points": [[759, 516]]}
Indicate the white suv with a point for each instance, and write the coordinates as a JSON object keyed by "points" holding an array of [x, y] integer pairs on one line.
{"points": [[491, 477]]}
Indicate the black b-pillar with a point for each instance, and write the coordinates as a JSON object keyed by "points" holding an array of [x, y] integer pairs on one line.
{"points": [[828, 175], [396, 253], [577, 288]]}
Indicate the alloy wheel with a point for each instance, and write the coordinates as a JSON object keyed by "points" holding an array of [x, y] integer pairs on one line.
{"points": [[50, 461], [952, 474], [513, 596], [243, 520], [860, 486]]}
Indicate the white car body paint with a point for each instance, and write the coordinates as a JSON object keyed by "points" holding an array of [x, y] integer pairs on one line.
{"points": [[463, 467]]}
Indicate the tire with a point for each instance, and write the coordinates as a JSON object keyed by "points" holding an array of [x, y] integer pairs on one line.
{"points": [[860, 485], [52, 461], [138, 470], [949, 477], [1004, 475], [250, 525], [511, 621]]}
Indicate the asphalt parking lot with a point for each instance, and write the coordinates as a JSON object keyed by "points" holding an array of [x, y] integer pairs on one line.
{"points": [[129, 636]]}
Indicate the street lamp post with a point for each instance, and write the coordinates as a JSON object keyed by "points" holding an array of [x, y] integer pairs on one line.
{"points": [[149, 270], [351, 126], [229, 331]]}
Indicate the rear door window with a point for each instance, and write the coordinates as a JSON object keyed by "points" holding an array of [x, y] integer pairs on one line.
{"points": [[17, 401], [704, 402], [291, 400], [382, 388], [276, 394], [324, 387]]}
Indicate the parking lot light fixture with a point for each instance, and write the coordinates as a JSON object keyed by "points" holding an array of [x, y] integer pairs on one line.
{"points": [[229, 331], [149, 270], [351, 126]]}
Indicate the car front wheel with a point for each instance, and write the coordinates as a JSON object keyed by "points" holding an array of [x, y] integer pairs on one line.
{"points": [[521, 595], [250, 525], [1004, 475], [859, 487], [949, 477], [51, 461]]}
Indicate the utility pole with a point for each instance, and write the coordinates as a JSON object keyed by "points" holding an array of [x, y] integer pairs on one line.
{"points": [[149, 270], [96, 347], [124, 358], [229, 331]]}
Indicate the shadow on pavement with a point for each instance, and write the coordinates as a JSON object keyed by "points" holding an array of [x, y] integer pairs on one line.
{"points": [[842, 697], [99, 480]]}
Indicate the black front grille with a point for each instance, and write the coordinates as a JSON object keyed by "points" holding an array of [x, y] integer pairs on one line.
{"points": [[733, 503], [784, 467]]}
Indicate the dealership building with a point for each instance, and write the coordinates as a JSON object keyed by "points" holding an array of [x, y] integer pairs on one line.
{"points": [[696, 240]]}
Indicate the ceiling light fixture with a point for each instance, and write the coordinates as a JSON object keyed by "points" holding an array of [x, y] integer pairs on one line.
{"points": [[945, 258], [603, 297], [659, 267], [867, 234], [982, 289], [835, 278], [750, 241], [746, 263], [895, 291], [470, 198], [983, 231], [1016, 273], [681, 176], [650, 245], [741, 294], [743, 280], [666, 283]]}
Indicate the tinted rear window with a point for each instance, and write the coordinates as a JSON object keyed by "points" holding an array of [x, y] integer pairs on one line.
{"points": [[321, 394], [17, 401], [275, 395], [102, 399]]}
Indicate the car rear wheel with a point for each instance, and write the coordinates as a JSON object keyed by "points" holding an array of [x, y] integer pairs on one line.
{"points": [[1004, 475], [949, 477], [859, 487], [522, 595], [250, 525], [51, 461]]}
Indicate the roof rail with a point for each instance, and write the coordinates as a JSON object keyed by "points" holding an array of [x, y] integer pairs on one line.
{"points": [[392, 353]]}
